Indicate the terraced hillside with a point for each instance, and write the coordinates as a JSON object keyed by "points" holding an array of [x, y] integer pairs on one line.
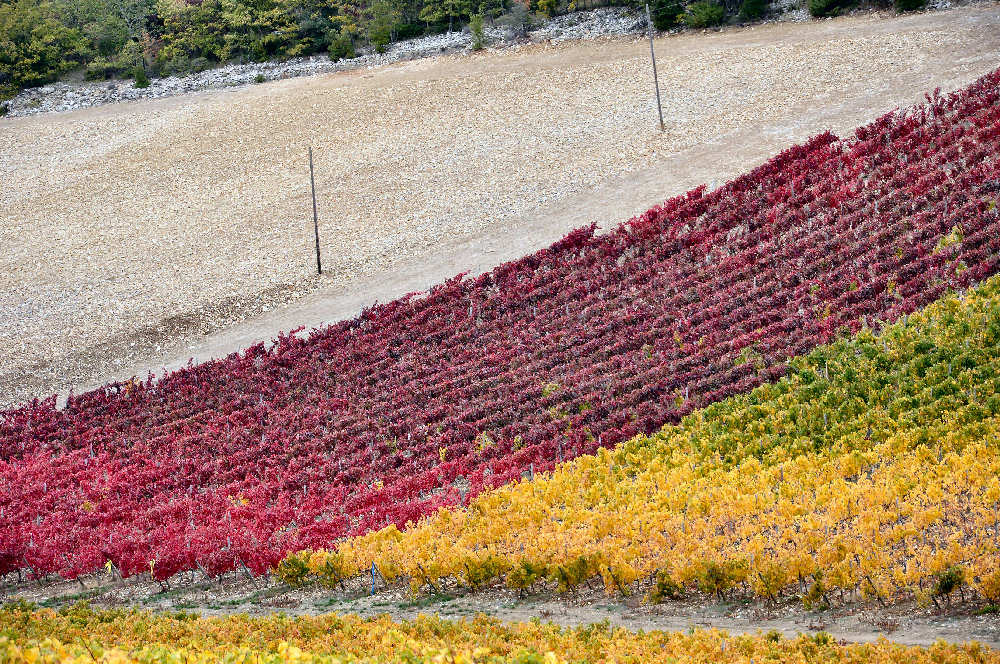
{"points": [[872, 470], [429, 400]]}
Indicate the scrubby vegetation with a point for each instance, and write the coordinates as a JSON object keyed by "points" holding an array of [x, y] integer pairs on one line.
{"points": [[42, 40], [703, 14], [825, 8]]}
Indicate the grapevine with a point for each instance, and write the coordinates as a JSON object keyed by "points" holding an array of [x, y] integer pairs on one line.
{"points": [[871, 469], [82, 635], [425, 402]]}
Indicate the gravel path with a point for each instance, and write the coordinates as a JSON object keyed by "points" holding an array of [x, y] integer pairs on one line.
{"points": [[132, 233]]}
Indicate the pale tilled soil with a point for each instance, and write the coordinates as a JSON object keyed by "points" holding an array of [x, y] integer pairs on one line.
{"points": [[131, 234]]}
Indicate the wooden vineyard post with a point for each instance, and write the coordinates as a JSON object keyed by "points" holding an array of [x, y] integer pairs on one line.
{"points": [[312, 182], [652, 56]]}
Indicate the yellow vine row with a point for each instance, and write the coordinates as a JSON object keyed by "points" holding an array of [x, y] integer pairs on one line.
{"points": [[80, 635]]}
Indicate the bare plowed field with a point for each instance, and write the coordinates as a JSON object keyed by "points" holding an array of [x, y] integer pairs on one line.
{"points": [[137, 235]]}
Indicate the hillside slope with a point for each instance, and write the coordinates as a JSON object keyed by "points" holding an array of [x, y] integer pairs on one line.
{"points": [[132, 230], [870, 471], [428, 400]]}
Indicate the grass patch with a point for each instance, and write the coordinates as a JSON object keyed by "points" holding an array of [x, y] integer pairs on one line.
{"points": [[83, 595], [326, 602], [429, 600]]}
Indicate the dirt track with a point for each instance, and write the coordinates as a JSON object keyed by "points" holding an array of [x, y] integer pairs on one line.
{"points": [[135, 235], [904, 623]]}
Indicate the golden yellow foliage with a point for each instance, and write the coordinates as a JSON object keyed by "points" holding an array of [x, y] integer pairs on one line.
{"points": [[84, 636]]}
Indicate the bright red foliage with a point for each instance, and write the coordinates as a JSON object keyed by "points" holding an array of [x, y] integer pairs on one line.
{"points": [[586, 343]]}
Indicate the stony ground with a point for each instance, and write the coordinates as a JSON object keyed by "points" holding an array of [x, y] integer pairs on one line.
{"points": [[71, 95], [132, 233], [853, 620]]}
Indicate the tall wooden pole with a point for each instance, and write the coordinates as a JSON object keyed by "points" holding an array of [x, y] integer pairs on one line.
{"points": [[312, 181], [652, 56]]}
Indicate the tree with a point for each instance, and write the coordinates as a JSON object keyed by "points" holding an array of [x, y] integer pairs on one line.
{"points": [[106, 32], [517, 21], [314, 24], [383, 20], [432, 12], [665, 13], [133, 14], [439, 11], [35, 46], [478, 35], [224, 30], [118, 31]]}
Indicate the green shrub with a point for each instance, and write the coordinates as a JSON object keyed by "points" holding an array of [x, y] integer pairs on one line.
{"points": [[331, 573], [909, 5], [18, 605], [665, 13], [379, 39], [478, 34], [664, 587], [80, 613], [141, 79], [259, 78], [479, 572], [129, 57], [101, 69], [815, 596], [717, 578], [570, 575], [517, 21], [35, 46], [342, 47], [821, 8], [175, 66], [235, 30], [949, 580], [525, 575], [408, 31], [200, 64], [179, 616], [703, 14], [751, 10], [293, 570], [547, 8]]}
